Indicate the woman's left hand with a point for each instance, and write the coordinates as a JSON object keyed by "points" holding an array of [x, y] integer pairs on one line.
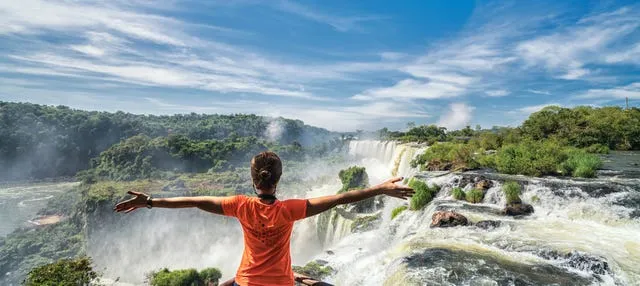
{"points": [[139, 201]]}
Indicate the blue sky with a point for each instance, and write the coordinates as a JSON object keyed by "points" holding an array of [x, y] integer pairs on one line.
{"points": [[341, 65]]}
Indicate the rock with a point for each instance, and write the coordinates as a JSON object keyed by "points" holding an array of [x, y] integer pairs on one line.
{"points": [[330, 252], [517, 209], [462, 182], [448, 219], [482, 184], [578, 260], [488, 224]]}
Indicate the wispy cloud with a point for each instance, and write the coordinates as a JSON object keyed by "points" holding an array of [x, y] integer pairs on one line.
{"points": [[115, 47], [596, 39], [339, 23], [543, 92], [497, 93], [630, 91]]}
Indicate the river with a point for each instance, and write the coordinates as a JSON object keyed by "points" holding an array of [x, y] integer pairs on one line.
{"points": [[21, 202]]}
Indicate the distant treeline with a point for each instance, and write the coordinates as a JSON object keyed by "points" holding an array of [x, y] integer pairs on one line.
{"points": [[144, 157], [38, 141], [553, 141], [582, 127]]}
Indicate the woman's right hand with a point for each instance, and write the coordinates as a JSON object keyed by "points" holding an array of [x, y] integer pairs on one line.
{"points": [[391, 188], [139, 201]]}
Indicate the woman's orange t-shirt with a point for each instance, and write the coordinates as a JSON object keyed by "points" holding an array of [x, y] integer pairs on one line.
{"points": [[267, 233]]}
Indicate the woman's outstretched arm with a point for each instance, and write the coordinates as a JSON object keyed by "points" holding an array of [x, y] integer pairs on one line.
{"points": [[210, 204], [389, 188]]}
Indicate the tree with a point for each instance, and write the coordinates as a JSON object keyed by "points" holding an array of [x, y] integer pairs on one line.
{"points": [[63, 272]]}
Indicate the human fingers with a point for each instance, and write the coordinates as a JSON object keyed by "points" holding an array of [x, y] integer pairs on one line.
{"points": [[134, 193], [122, 206]]}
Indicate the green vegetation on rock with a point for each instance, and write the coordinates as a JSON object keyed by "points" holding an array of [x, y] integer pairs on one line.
{"points": [[314, 269], [63, 272], [447, 156], [185, 277], [353, 178], [458, 194], [475, 196], [397, 211], [423, 194], [364, 223], [512, 191], [356, 178]]}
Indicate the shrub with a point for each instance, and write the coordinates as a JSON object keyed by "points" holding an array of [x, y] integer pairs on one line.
{"points": [[395, 212], [423, 194], [458, 194], [165, 277], [314, 270], [210, 275], [475, 196], [353, 178], [512, 192], [581, 164], [63, 272], [530, 158], [447, 156], [187, 277], [356, 178], [597, 149]]}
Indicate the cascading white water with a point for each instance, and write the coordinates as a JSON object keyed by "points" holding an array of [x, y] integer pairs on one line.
{"points": [[395, 157], [567, 220]]}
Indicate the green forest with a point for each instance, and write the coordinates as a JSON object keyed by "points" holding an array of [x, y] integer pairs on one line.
{"points": [[41, 141]]}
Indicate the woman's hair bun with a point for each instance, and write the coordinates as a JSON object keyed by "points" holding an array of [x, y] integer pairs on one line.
{"points": [[264, 174]]}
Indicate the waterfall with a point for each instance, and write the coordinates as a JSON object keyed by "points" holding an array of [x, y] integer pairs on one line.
{"points": [[396, 157], [583, 232]]}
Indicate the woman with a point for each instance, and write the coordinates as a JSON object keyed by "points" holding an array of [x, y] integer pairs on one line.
{"points": [[266, 221]]}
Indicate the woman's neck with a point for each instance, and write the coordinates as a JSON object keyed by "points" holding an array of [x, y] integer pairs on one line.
{"points": [[266, 197]]}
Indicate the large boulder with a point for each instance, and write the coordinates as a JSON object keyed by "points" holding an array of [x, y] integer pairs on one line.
{"points": [[448, 219], [517, 209]]}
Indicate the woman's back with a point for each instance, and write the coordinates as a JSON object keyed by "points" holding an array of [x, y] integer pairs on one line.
{"points": [[267, 233]]}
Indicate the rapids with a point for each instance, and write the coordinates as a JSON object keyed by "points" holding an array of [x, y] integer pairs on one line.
{"points": [[582, 232]]}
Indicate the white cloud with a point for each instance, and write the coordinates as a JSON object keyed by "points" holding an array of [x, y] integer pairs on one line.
{"points": [[497, 93], [341, 24], [596, 39], [543, 92], [630, 91], [452, 68], [415, 89], [23, 17], [458, 116]]}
